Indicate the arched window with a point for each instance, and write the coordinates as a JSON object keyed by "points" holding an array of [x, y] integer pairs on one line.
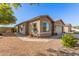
{"points": [[45, 26]]}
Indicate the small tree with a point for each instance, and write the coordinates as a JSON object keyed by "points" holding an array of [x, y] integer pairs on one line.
{"points": [[7, 14], [68, 40]]}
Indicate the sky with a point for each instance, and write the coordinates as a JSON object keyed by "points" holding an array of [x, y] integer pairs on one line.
{"points": [[68, 12]]}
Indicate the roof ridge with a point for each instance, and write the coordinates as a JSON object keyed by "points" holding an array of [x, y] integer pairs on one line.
{"points": [[32, 19]]}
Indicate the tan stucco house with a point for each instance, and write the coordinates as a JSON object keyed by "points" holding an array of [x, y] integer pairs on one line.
{"points": [[67, 28], [38, 26], [59, 26], [42, 26]]}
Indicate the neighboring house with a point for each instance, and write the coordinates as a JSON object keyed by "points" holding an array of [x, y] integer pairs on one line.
{"points": [[59, 27], [67, 28], [74, 29], [38, 26], [6, 29]]}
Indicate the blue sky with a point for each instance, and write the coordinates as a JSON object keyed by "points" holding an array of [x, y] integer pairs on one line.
{"points": [[69, 13]]}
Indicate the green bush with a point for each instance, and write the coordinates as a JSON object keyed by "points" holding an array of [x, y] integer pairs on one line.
{"points": [[68, 40]]}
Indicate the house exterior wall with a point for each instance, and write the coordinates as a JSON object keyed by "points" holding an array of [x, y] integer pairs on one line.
{"points": [[27, 28], [31, 29], [40, 27], [22, 28], [67, 29], [16, 28], [59, 28], [48, 33]]}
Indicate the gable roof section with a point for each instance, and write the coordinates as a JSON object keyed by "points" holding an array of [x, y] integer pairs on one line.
{"points": [[59, 22], [36, 18], [68, 25]]}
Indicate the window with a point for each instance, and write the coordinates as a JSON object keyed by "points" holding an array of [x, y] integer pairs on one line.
{"points": [[34, 27], [22, 27], [45, 27]]}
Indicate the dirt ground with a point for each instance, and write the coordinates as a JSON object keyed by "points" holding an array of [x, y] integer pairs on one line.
{"points": [[11, 45]]}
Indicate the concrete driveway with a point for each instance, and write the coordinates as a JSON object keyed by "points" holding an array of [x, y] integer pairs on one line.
{"points": [[76, 35]]}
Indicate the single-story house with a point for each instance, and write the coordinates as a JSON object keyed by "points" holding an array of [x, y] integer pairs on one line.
{"points": [[7, 29], [38, 26], [67, 28], [59, 26]]}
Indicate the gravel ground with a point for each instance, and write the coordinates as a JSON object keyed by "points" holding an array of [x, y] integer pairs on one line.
{"points": [[14, 46]]}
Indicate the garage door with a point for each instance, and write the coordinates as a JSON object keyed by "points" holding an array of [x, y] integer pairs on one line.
{"points": [[58, 29]]}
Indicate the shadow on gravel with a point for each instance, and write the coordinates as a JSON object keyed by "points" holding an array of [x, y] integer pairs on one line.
{"points": [[62, 52], [40, 54]]}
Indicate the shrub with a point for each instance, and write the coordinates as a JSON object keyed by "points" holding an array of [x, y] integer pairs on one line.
{"points": [[68, 40]]}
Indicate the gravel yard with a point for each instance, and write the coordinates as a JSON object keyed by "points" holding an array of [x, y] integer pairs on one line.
{"points": [[16, 46]]}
